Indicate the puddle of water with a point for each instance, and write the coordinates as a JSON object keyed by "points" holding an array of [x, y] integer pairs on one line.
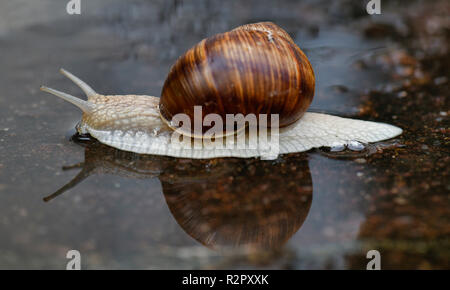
{"points": [[321, 209]]}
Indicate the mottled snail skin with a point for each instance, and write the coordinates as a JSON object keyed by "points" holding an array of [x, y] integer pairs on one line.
{"points": [[253, 69], [259, 58]]}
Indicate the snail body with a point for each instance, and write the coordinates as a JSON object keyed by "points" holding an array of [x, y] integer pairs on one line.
{"points": [[255, 69]]}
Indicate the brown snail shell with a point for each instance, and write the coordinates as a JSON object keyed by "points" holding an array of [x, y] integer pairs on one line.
{"points": [[253, 69]]}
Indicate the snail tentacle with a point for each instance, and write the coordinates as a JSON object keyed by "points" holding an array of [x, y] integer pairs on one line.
{"points": [[85, 106], [83, 86]]}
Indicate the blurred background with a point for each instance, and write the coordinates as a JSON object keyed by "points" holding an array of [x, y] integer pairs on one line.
{"points": [[314, 210]]}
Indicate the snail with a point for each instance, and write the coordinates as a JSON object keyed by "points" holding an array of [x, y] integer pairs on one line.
{"points": [[255, 69]]}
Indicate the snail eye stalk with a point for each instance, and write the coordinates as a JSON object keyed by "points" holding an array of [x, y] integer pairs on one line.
{"points": [[83, 86], [85, 106]]}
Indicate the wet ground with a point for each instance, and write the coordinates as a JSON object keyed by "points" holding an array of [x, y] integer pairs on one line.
{"points": [[317, 209]]}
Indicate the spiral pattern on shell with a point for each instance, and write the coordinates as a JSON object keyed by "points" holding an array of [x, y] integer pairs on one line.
{"points": [[253, 69]]}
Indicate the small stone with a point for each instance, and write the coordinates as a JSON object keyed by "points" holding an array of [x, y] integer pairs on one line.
{"points": [[355, 146], [337, 147], [402, 94], [440, 80], [400, 200], [360, 160]]}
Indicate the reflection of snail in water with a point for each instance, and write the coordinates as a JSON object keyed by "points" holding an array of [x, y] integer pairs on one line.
{"points": [[226, 203], [252, 208], [253, 69]]}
